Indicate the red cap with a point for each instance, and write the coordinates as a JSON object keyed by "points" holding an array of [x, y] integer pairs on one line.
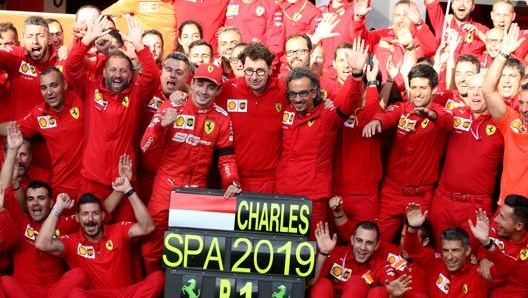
{"points": [[210, 72]]}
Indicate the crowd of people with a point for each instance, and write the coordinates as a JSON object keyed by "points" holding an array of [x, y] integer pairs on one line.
{"points": [[410, 141]]}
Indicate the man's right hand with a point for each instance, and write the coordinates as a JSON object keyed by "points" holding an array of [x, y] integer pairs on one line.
{"points": [[169, 117], [415, 217], [322, 234], [14, 137]]}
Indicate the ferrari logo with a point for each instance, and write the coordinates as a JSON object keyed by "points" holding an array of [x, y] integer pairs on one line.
{"points": [[465, 289], [490, 129], [74, 112], [524, 254], [424, 123], [125, 102], [209, 125], [109, 245], [210, 68], [311, 122], [324, 93], [278, 107]]}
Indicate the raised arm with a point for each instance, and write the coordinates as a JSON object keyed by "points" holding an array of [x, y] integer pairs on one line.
{"points": [[325, 245], [495, 103], [144, 222], [14, 142], [45, 240], [125, 170]]}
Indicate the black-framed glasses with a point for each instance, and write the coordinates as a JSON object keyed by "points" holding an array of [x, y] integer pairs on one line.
{"points": [[259, 71], [303, 94], [297, 52]]}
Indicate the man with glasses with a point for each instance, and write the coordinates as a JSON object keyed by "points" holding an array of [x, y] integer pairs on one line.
{"points": [[255, 104], [297, 48], [309, 131]]}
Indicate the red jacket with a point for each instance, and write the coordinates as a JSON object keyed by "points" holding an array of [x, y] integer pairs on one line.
{"points": [[465, 283], [189, 144], [66, 152], [357, 168], [471, 44], [305, 166], [473, 156], [112, 118], [262, 20], [257, 125], [418, 145]]}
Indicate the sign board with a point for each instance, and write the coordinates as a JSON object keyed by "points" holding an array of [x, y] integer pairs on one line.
{"points": [[252, 245]]}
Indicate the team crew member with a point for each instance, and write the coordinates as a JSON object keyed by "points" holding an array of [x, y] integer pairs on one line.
{"points": [[255, 104], [407, 33], [309, 131], [357, 165], [414, 160], [467, 66], [56, 33], [60, 115], [362, 272], [158, 15], [259, 20], [452, 275], [35, 274], [24, 74], [502, 15], [154, 40], [228, 38], [114, 100], [174, 76], [189, 134], [469, 31], [102, 251], [472, 160], [512, 124], [503, 258]]}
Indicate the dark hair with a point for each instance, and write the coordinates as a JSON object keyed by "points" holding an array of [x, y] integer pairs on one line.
{"points": [[519, 204], [301, 36], [471, 59], [255, 51], [154, 32], [115, 34], [85, 7], [370, 226], [425, 231], [515, 63], [456, 234], [179, 48], [425, 72], [52, 20], [425, 60], [177, 56], [37, 21], [200, 42], [118, 54], [344, 45], [34, 184], [88, 198], [52, 69], [305, 72], [8, 26]]}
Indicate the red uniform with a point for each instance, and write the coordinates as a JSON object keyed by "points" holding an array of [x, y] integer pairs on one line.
{"points": [[66, 153], [257, 127], [186, 159], [261, 20], [414, 161], [357, 167], [473, 157], [107, 262], [464, 283], [341, 275], [211, 16], [306, 162], [471, 44], [522, 51], [510, 269], [383, 43], [36, 273], [515, 171], [112, 119]]}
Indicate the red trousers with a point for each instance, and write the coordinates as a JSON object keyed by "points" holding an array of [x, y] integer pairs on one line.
{"points": [[361, 207], [75, 278], [260, 184], [355, 287], [454, 209], [152, 286], [393, 201]]}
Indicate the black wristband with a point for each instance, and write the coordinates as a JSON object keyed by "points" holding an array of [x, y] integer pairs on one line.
{"points": [[370, 83], [129, 193], [489, 245], [504, 54], [324, 254]]}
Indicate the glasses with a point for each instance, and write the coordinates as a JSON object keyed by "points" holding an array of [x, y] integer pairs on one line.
{"points": [[297, 52], [303, 94], [493, 41], [259, 71]]}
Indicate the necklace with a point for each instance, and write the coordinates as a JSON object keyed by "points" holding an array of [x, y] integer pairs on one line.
{"points": [[296, 16]]}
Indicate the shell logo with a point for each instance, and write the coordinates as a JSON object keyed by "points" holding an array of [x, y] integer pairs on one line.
{"points": [[24, 67], [180, 121], [457, 122], [231, 105], [98, 95], [337, 271], [43, 122], [82, 250], [450, 105], [285, 117], [401, 123]]}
